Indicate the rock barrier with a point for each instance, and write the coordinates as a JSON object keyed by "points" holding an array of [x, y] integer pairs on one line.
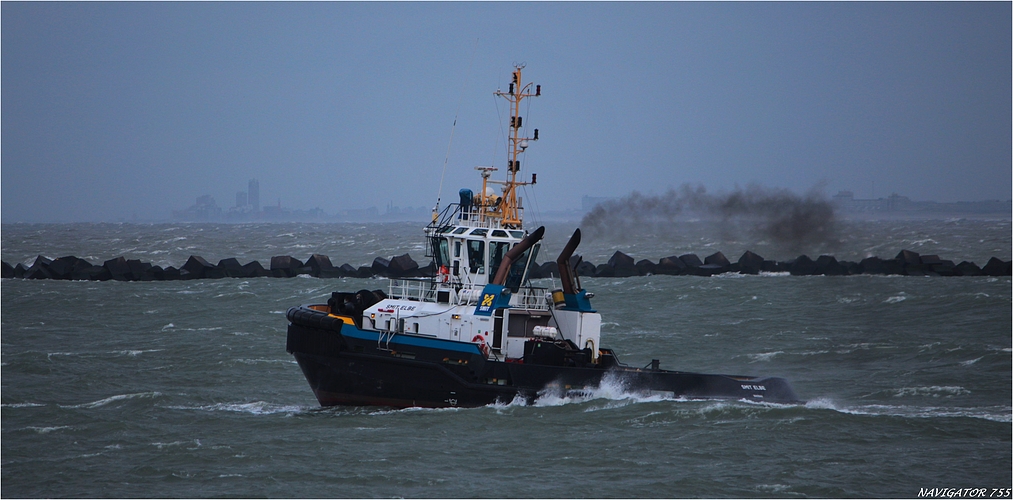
{"points": [[906, 263]]}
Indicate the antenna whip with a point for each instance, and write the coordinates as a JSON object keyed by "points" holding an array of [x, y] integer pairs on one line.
{"points": [[439, 194]]}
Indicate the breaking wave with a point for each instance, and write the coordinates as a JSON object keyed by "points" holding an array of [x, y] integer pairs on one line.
{"points": [[254, 408], [993, 413], [113, 399]]}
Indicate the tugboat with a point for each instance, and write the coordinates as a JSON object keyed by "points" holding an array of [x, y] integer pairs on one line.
{"points": [[477, 332]]}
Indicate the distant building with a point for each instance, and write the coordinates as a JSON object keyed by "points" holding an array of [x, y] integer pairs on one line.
{"points": [[394, 212], [241, 200], [205, 209], [358, 214], [254, 198], [846, 202]]}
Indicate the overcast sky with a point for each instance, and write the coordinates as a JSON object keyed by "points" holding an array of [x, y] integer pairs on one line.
{"points": [[116, 110]]}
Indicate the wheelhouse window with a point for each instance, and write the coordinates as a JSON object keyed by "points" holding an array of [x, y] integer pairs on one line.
{"points": [[497, 250], [441, 252], [519, 269], [476, 256]]}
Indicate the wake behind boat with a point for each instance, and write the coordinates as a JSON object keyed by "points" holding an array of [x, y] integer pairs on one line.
{"points": [[478, 332]]}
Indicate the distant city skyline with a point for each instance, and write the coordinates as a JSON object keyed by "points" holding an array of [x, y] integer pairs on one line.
{"points": [[114, 108], [845, 203]]}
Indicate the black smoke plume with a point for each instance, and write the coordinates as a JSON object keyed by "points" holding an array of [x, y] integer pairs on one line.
{"points": [[776, 216]]}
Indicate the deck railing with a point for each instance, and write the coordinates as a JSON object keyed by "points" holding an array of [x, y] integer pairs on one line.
{"points": [[412, 289], [422, 289]]}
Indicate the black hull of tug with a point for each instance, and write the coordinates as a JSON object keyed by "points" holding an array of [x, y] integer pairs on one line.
{"points": [[348, 366]]}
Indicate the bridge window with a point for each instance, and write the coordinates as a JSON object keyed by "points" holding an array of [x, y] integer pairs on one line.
{"points": [[518, 270], [440, 252], [497, 250], [476, 256]]}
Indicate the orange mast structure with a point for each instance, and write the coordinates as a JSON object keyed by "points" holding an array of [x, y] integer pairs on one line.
{"points": [[508, 207]]}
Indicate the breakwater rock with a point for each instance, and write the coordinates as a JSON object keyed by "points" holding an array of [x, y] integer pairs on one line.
{"points": [[906, 263]]}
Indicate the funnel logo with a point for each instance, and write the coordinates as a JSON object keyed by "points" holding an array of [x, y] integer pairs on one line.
{"points": [[491, 296], [486, 305]]}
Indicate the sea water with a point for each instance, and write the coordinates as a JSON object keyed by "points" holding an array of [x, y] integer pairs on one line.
{"points": [[184, 388]]}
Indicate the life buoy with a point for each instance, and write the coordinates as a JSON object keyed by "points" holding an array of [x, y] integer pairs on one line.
{"points": [[482, 346], [594, 352], [444, 274]]}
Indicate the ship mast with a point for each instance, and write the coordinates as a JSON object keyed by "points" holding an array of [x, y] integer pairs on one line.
{"points": [[508, 208]]}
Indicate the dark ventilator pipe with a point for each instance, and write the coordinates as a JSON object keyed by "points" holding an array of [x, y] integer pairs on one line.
{"points": [[563, 262], [511, 256]]}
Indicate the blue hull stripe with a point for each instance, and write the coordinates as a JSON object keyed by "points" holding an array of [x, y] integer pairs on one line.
{"points": [[412, 340]]}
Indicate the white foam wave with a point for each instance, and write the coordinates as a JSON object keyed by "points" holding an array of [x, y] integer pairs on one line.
{"points": [[254, 408], [612, 388], [20, 405], [971, 361], [166, 445], [895, 299], [934, 391], [414, 409], [113, 399], [773, 488], [135, 352], [248, 361], [730, 276], [994, 414], [764, 356], [47, 430]]}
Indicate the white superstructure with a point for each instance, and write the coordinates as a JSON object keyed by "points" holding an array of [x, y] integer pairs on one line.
{"points": [[474, 298]]}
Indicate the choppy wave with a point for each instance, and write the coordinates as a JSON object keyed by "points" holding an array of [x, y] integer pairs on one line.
{"points": [[253, 408], [47, 430], [21, 405], [995, 413], [135, 352], [764, 356], [934, 391], [113, 399], [612, 388], [930, 371], [250, 361]]}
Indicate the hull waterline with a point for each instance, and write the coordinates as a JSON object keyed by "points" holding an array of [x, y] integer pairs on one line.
{"points": [[359, 368]]}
